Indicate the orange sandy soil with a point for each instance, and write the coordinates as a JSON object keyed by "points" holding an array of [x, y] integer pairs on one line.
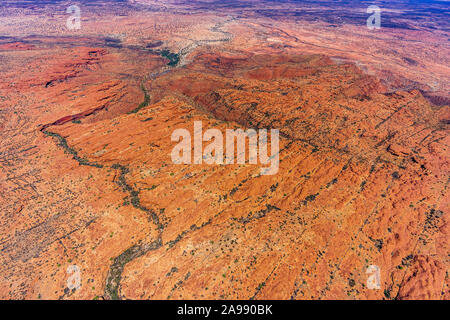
{"points": [[86, 176]]}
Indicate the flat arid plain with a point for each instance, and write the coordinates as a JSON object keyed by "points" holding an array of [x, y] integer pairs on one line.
{"points": [[93, 207]]}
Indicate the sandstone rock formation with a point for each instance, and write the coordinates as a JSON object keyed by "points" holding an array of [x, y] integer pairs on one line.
{"points": [[86, 176]]}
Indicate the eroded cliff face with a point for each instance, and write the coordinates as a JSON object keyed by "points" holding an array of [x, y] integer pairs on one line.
{"points": [[87, 178]]}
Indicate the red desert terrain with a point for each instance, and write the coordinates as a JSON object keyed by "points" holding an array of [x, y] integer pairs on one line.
{"points": [[87, 179]]}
